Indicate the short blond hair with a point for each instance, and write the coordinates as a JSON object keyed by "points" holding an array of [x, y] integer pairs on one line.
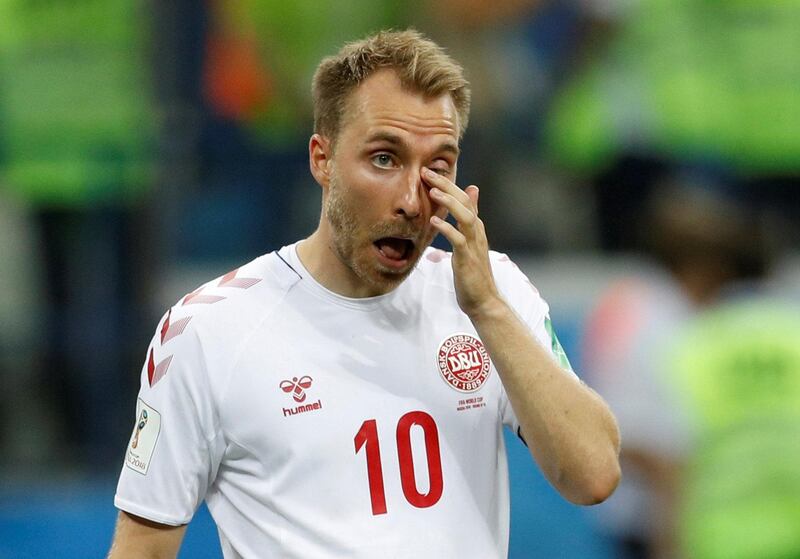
{"points": [[422, 66]]}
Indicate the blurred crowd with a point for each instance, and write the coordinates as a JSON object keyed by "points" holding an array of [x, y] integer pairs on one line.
{"points": [[146, 146]]}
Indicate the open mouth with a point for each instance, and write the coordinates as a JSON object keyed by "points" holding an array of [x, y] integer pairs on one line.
{"points": [[395, 249]]}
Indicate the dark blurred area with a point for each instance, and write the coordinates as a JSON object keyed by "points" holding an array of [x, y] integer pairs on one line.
{"points": [[640, 159]]}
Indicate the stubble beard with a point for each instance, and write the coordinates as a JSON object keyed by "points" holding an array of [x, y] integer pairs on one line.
{"points": [[347, 235]]}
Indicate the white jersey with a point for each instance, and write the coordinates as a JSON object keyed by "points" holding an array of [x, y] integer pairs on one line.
{"points": [[316, 425]]}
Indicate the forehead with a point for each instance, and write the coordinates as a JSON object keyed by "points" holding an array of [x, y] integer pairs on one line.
{"points": [[381, 101]]}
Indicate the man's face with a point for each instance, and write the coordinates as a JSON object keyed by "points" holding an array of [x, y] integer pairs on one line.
{"points": [[377, 205]]}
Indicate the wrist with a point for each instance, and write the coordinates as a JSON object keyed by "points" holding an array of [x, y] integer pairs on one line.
{"points": [[491, 309]]}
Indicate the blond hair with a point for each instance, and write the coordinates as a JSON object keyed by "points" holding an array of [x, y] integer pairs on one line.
{"points": [[422, 66]]}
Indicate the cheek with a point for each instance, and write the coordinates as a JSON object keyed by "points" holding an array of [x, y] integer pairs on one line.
{"points": [[365, 186], [352, 190]]}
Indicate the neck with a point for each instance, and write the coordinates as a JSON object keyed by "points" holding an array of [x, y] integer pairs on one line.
{"points": [[321, 260]]}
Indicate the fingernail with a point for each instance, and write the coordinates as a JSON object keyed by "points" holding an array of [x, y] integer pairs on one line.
{"points": [[435, 219], [435, 191]]}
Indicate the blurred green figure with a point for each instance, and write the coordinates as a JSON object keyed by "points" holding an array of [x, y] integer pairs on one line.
{"points": [[77, 144], [77, 118], [738, 367], [716, 80]]}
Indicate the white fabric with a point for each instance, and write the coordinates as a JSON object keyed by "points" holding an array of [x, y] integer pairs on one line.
{"points": [[627, 359], [292, 485]]}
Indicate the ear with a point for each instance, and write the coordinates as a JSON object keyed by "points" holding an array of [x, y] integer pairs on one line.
{"points": [[320, 159]]}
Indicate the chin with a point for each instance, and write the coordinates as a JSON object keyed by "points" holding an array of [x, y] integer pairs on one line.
{"points": [[383, 280]]}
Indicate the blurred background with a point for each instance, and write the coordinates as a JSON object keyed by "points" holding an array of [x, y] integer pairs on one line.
{"points": [[639, 159]]}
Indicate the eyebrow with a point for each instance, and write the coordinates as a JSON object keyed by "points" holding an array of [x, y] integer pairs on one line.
{"points": [[394, 139]]}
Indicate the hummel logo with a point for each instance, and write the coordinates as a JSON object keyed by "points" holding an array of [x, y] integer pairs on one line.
{"points": [[297, 386]]}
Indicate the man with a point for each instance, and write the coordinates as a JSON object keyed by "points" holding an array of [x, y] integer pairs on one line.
{"points": [[345, 396]]}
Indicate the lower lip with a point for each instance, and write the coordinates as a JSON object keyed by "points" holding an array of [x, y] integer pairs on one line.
{"points": [[390, 262]]}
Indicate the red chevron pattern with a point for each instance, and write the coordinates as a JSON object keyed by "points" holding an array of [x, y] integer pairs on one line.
{"points": [[175, 329], [230, 280], [156, 372], [170, 330], [437, 255], [165, 326], [195, 298]]}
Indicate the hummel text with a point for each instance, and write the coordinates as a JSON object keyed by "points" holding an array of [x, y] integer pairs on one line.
{"points": [[302, 409]]}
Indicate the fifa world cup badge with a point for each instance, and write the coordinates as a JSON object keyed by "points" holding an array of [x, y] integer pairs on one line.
{"points": [[144, 438]]}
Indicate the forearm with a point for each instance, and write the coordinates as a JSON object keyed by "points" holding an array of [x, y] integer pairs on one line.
{"points": [[569, 430], [142, 539]]}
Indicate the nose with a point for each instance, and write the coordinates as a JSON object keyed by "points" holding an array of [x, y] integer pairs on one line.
{"points": [[410, 198]]}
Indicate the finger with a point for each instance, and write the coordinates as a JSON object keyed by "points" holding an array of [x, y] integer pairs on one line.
{"points": [[473, 192], [456, 237], [434, 179], [463, 214]]}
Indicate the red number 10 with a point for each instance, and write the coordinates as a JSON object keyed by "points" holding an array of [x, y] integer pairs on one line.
{"points": [[368, 435]]}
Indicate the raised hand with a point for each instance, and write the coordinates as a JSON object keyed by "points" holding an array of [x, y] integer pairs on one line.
{"points": [[475, 287]]}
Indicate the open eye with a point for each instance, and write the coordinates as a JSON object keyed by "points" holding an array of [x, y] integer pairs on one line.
{"points": [[383, 160]]}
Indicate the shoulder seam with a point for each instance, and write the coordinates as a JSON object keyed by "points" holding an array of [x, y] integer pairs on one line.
{"points": [[240, 348]]}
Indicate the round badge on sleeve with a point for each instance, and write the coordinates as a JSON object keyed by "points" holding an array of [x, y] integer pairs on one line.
{"points": [[463, 362]]}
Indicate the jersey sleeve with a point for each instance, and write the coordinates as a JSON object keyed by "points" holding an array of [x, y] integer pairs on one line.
{"points": [[176, 445], [533, 310]]}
